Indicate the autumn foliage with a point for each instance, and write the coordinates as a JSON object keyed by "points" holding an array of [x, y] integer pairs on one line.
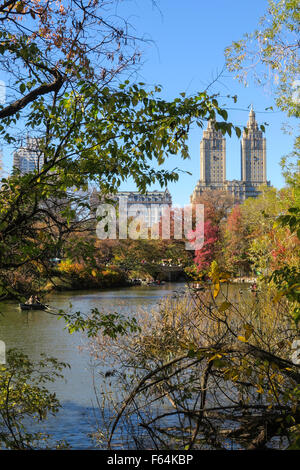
{"points": [[207, 253]]}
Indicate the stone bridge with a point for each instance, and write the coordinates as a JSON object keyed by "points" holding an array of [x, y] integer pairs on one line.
{"points": [[167, 273]]}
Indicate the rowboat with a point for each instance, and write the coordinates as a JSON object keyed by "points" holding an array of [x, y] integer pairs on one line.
{"points": [[155, 283], [32, 306]]}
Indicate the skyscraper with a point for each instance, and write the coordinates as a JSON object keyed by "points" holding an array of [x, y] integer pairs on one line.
{"points": [[28, 158], [253, 153], [213, 156]]}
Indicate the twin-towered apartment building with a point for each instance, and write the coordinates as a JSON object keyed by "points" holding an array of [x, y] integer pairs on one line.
{"points": [[213, 163]]}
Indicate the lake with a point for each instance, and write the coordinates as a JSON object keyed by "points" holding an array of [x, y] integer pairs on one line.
{"points": [[37, 332]]}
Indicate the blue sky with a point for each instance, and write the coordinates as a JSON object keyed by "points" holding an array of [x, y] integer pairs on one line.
{"points": [[186, 54]]}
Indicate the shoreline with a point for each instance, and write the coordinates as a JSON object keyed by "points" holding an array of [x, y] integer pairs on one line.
{"points": [[69, 288]]}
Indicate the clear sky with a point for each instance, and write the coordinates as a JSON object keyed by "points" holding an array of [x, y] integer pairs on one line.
{"points": [[186, 54]]}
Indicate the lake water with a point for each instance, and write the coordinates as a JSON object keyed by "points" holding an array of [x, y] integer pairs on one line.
{"points": [[37, 332]]}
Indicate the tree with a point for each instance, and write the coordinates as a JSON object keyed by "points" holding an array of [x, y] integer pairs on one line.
{"points": [[205, 255], [217, 204], [270, 53], [236, 243], [52, 44], [287, 276], [24, 399]]}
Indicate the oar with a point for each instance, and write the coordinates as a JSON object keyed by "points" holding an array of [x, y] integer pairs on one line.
{"points": [[49, 309]]}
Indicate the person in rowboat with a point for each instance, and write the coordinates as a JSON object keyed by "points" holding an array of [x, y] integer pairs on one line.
{"points": [[30, 301]]}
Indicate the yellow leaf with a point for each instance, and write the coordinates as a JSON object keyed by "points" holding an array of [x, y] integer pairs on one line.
{"points": [[215, 356], [216, 289], [94, 273], [242, 338], [214, 270]]}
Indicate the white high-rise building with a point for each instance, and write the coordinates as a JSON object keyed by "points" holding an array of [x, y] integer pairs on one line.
{"points": [[153, 203], [28, 158]]}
